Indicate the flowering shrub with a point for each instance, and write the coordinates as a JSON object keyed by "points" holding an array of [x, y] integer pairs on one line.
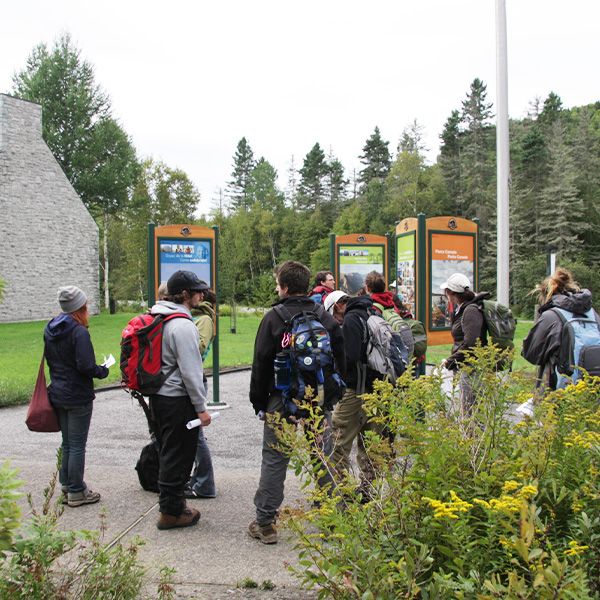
{"points": [[465, 505]]}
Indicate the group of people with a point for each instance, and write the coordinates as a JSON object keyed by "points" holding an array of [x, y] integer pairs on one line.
{"points": [[185, 466]]}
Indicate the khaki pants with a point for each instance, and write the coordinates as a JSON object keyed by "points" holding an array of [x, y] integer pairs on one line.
{"points": [[350, 423]]}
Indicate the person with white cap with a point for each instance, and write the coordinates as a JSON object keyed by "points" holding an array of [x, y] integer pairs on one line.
{"points": [[335, 304], [467, 328], [70, 356]]}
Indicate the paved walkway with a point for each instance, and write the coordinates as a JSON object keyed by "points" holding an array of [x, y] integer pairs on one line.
{"points": [[211, 558]]}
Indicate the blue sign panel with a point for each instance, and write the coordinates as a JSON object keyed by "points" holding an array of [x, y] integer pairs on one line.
{"points": [[187, 255]]}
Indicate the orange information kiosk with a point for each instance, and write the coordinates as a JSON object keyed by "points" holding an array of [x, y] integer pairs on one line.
{"points": [[428, 251]]}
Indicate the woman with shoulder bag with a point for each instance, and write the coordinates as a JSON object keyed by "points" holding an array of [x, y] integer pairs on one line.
{"points": [[72, 364]]}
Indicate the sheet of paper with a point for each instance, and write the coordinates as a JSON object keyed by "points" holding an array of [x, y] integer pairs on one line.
{"points": [[109, 362]]}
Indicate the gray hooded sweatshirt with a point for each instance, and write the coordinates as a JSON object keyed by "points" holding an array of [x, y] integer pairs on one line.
{"points": [[180, 351]]}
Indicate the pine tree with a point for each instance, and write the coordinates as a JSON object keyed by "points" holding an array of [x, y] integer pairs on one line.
{"points": [[312, 179], [449, 161], [562, 222], [243, 164], [412, 139], [375, 157]]}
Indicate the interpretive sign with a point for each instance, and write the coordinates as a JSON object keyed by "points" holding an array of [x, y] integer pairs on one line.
{"points": [[355, 256], [405, 270]]}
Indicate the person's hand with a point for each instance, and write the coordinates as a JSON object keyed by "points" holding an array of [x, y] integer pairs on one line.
{"points": [[443, 364], [204, 418]]}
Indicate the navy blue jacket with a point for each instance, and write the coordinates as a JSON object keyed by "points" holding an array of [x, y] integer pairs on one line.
{"points": [[70, 357]]}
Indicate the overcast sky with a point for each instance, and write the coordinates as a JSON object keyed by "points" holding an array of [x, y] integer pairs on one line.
{"points": [[188, 79]]}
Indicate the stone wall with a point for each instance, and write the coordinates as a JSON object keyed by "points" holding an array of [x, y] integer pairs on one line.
{"points": [[47, 236]]}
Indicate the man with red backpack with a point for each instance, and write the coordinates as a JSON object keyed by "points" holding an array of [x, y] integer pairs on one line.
{"points": [[181, 398]]}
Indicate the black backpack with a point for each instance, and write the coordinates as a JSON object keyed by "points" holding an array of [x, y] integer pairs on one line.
{"points": [[147, 464]]}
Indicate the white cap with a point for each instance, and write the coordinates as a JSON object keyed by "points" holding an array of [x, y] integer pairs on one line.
{"points": [[393, 284], [457, 282], [332, 298]]}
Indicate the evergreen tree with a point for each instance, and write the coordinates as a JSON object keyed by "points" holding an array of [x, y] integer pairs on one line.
{"points": [[478, 175], [376, 158], [312, 179], [449, 161], [412, 139], [562, 213], [551, 110], [243, 165]]}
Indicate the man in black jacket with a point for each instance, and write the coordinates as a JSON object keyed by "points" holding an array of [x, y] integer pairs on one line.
{"points": [[292, 285], [349, 418]]}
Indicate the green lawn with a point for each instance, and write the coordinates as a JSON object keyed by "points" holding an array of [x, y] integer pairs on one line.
{"points": [[21, 350], [22, 345]]}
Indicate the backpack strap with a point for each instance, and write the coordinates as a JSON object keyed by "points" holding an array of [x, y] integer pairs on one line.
{"points": [[283, 313]]}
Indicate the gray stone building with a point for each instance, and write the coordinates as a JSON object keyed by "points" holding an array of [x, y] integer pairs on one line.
{"points": [[47, 236]]}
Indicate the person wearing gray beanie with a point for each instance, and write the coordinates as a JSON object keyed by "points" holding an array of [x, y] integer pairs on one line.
{"points": [[71, 298], [72, 364]]}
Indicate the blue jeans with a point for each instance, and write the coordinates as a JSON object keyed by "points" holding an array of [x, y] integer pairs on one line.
{"points": [[74, 426], [202, 480]]}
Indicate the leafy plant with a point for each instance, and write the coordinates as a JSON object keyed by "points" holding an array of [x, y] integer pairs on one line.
{"points": [[44, 562], [464, 504]]}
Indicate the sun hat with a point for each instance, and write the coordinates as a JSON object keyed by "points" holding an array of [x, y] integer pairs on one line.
{"points": [[71, 298], [457, 282], [332, 298]]}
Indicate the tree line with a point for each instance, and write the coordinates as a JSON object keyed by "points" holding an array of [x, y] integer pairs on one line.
{"points": [[554, 193]]}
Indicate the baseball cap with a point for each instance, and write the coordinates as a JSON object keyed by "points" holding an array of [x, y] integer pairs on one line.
{"points": [[185, 280], [457, 282], [332, 298]]}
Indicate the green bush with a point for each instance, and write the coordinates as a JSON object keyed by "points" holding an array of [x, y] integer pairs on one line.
{"points": [[29, 566], [463, 506]]}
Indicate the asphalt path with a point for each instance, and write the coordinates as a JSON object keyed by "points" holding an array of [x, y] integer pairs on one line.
{"points": [[212, 558]]}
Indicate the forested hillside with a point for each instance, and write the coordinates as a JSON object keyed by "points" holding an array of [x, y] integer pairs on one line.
{"points": [[554, 194]]}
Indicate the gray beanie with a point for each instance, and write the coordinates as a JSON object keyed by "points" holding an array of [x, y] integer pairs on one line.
{"points": [[71, 298]]}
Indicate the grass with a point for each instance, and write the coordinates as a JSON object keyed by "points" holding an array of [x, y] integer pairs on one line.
{"points": [[22, 346]]}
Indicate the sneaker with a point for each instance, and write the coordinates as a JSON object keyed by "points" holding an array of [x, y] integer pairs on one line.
{"points": [[267, 534], [189, 517], [85, 497], [192, 494]]}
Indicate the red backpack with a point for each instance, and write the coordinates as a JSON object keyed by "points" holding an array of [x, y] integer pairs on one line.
{"points": [[141, 353]]}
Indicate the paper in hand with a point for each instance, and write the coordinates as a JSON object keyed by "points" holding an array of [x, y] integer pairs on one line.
{"points": [[109, 362]]}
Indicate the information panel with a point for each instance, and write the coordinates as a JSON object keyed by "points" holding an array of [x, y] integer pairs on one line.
{"points": [[405, 270], [355, 262], [450, 253], [190, 255]]}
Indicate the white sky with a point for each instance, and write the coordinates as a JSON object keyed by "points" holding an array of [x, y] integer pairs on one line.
{"points": [[188, 79]]}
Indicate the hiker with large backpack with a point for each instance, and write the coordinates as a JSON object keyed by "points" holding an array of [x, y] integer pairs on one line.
{"points": [[172, 377], [566, 333], [366, 361], [298, 344], [468, 327], [412, 331]]}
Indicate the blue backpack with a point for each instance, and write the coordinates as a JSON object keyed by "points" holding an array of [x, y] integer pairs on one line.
{"points": [[580, 346], [306, 359]]}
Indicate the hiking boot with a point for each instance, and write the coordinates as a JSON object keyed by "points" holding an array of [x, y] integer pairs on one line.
{"points": [[84, 497], [267, 534], [189, 517]]}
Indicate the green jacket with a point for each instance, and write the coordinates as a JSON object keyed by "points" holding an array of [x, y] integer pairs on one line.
{"points": [[204, 319]]}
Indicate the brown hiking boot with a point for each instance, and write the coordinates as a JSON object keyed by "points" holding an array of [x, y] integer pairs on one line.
{"points": [[267, 534], [189, 517]]}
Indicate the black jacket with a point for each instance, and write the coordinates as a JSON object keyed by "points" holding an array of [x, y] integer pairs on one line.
{"points": [[355, 341], [70, 357], [468, 326], [268, 344], [542, 344]]}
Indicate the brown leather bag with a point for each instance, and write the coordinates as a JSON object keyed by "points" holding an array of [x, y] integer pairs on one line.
{"points": [[41, 416]]}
